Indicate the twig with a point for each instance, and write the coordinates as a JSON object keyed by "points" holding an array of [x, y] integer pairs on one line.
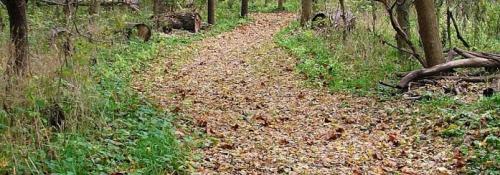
{"points": [[401, 32], [388, 85], [396, 47], [459, 36]]}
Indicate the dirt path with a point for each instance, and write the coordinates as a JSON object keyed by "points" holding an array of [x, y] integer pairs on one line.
{"points": [[241, 89]]}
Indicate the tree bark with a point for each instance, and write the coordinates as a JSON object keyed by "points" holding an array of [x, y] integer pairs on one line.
{"points": [[94, 7], [18, 62], [190, 21], [280, 5], [211, 12], [2, 25], [429, 32], [244, 8], [306, 12], [158, 7], [344, 19], [403, 17], [470, 62]]}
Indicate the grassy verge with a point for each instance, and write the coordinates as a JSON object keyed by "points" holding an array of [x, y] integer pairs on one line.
{"points": [[108, 127], [350, 65], [472, 127], [358, 64]]}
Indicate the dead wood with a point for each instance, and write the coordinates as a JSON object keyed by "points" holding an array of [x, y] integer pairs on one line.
{"points": [[472, 79], [450, 18], [494, 88], [336, 19], [190, 21], [399, 31], [60, 39], [132, 4], [140, 30], [469, 63]]}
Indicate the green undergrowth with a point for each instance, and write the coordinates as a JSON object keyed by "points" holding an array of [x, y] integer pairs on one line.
{"points": [[359, 63], [473, 127], [108, 126], [349, 65]]}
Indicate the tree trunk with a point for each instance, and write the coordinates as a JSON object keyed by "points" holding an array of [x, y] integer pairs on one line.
{"points": [[190, 21], [68, 11], [280, 5], [18, 62], [2, 25], [170, 5], [344, 20], [158, 7], [306, 12], [403, 17], [211, 12], [244, 8], [429, 32], [374, 17], [94, 7]]}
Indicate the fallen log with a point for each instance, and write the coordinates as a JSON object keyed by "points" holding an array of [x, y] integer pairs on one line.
{"points": [[473, 79], [132, 4], [139, 30], [336, 19], [190, 21], [425, 72]]}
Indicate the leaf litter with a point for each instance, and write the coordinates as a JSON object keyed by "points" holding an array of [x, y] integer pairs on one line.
{"points": [[240, 88]]}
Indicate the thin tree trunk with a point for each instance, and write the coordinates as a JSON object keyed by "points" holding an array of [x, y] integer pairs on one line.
{"points": [[306, 12], [374, 16], [158, 7], [170, 5], [403, 17], [2, 25], [280, 5], [344, 19], [429, 32], [68, 11], [18, 62], [211, 11], [94, 7], [244, 8]]}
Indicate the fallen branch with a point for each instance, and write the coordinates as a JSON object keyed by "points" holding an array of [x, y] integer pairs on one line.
{"points": [[190, 21], [399, 31], [132, 4], [459, 36], [474, 79], [425, 72], [396, 47]]}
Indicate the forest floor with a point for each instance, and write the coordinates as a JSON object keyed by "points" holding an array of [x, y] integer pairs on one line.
{"points": [[260, 117]]}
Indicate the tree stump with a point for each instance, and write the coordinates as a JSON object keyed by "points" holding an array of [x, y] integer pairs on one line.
{"points": [[190, 21], [138, 30]]}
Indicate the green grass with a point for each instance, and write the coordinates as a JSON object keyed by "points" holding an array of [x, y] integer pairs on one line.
{"points": [[351, 66], [109, 127], [358, 64], [473, 127]]}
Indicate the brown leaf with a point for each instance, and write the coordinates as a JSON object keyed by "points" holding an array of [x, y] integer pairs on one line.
{"points": [[283, 142], [301, 95], [227, 146], [408, 171], [377, 156], [459, 159], [201, 122], [332, 135], [327, 120]]}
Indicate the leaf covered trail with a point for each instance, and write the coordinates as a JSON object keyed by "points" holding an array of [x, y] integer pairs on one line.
{"points": [[241, 89]]}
